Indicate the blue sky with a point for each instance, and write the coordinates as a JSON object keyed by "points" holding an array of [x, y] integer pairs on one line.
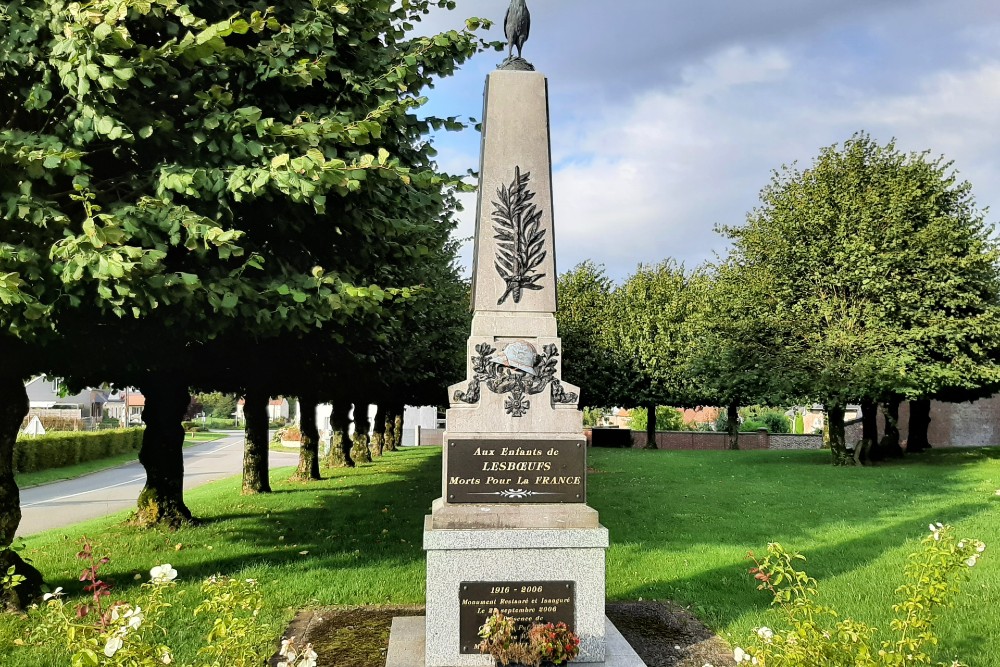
{"points": [[668, 116]]}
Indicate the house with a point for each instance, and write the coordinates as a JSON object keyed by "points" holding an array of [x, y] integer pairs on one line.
{"points": [[135, 403], [621, 418], [814, 416], [84, 409], [277, 410], [700, 415]]}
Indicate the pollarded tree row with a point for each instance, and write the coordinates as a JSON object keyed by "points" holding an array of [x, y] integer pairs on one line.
{"points": [[869, 277], [187, 188]]}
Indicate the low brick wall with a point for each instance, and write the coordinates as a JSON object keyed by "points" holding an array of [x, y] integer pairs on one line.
{"points": [[693, 440], [715, 441], [789, 441]]}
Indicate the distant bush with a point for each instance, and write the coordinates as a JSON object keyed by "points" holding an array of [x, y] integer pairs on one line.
{"points": [[58, 450], [55, 422]]}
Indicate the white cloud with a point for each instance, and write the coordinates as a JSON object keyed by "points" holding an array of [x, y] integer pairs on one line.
{"points": [[663, 134]]}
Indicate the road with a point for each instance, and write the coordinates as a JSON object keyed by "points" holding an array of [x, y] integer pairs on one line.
{"points": [[109, 491]]}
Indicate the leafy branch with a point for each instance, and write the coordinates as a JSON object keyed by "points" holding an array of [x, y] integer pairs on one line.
{"points": [[520, 238]]}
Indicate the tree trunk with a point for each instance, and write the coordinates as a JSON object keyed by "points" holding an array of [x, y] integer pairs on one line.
{"points": [[309, 446], [835, 429], [255, 449], [650, 426], [360, 452], [397, 430], [867, 450], [13, 409], [920, 420], [340, 441], [390, 429], [378, 431], [162, 454], [733, 424], [889, 446]]}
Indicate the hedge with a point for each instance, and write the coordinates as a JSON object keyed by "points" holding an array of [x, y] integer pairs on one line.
{"points": [[58, 450]]}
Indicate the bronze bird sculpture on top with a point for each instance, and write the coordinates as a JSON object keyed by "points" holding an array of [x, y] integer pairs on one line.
{"points": [[516, 26]]}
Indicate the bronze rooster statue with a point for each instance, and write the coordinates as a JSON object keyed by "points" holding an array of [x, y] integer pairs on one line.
{"points": [[516, 25]]}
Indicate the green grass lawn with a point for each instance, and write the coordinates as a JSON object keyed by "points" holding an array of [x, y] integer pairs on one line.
{"points": [[680, 522], [29, 479]]}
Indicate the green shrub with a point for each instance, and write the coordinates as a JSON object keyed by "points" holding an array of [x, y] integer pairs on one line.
{"points": [[816, 635], [58, 450]]}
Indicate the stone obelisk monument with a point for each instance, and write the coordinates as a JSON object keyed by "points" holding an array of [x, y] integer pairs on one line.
{"points": [[512, 529]]}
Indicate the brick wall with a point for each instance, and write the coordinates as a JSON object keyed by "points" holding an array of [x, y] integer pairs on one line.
{"points": [[790, 441], [700, 440]]}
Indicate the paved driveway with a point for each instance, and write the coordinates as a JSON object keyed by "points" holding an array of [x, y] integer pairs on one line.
{"points": [[110, 491]]}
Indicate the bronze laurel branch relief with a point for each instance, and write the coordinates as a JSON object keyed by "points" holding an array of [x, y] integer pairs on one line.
{"points": [[519, 236], [502, 374]]}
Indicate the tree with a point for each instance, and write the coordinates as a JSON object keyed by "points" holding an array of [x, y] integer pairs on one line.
{"points": [[589, 360], [738, 346], [217, 405], [649, 318], [173, 173], [881, 275]]}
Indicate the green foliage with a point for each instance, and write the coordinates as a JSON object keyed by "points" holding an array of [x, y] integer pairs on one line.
{"points": [[800, 425], [590, 359], [667, 419], [192, 171], [816, 636], [875, 273], [217, 404], [58, 450], [127, 634], [593, 416], [772, 419], [650, 327]]}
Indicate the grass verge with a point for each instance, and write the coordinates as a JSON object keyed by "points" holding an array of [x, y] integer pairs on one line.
{"points": [[30, 479], [681, 524]]}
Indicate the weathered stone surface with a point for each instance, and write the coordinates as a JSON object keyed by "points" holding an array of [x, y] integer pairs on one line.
{"points": [[515, 140]]}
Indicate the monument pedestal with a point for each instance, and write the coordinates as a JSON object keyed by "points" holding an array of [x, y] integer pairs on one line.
{"points": [[524, 572]]}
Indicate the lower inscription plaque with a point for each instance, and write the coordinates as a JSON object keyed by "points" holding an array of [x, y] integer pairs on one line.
{"points": [[527, 602], [517, 471]]}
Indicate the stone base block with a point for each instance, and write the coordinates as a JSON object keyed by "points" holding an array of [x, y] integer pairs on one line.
{"points": [[451, 517], [457, 556], [407, 644]]}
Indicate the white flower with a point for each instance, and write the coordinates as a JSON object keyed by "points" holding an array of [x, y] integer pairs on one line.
{"points": [[739, 655], [308, 657], [163, 573], [133, 617], [765, 633], [285, 644], [113, 645], [961, 545], [166, 658], [980, 548], [971, 562], [57, 593]]}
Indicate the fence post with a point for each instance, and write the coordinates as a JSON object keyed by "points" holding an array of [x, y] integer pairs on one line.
{"points": [[765, 438], [416, 435]]}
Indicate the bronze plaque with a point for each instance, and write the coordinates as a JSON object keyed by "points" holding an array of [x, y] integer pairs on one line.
{"points": [[527, 602], [517, 471]]}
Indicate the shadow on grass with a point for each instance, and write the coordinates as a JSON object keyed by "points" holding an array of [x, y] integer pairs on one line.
{"points": [[357, 517]]}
